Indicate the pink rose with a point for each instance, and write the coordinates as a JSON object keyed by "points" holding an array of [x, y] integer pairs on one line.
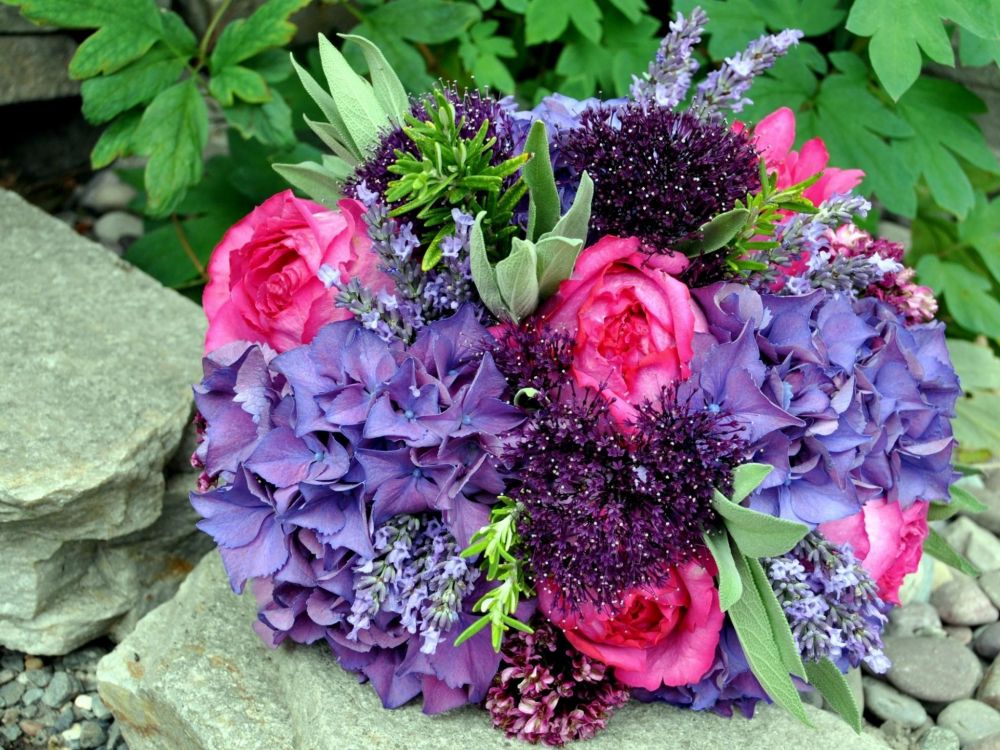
{"points": [[632, 321], [662, 636], [774, 137], [887, 539], [263, 284]]}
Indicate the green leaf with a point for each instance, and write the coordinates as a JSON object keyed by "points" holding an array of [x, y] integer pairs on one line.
{"points": [[248, 85], [730, 583], [631, 9], [172, 133], [518, 281], [962, 501], [543, 209], [327, 106], [545, 21], [116, 140], [758, 534], [556, 260], [895, 47], [977, 425], [968, 295], [747, 478], [178, 37], [981, 230], [389, 92], [160, 253], [936, 546], [266, 27], [105, 97], [719, 231], [315, 180], [977, 365], [483, 275], [780, 630], [270, 122], [425, 21], [586, 17], [975, 51], [832, 685], [753, 627], [575, 223]]}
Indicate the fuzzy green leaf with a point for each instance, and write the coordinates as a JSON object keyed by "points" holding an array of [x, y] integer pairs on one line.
{"points": [[248, 85], [718, 232], [747, 478], [962, 501], [389, 92], [832, 685], [517, 280], [106, 97], [543, 209], [315, 180], [780, 629], [937, 547], [730, 583], [483, 275], [333, 139], [753, 627], [266, 27], [172, 133], [116, 140], [556, 260], [575, 224], [758, 534], [327, 106]]}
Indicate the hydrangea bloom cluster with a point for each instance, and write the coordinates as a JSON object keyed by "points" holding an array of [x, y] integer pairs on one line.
{"points": [[547, 691], [842, 398], [832, 604]]}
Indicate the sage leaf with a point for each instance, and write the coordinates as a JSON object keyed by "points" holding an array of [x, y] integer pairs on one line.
{"points": [[730, 583], [832, 685], [318, 181], [389, 92], [575, 223], [363, 117], [936, 546], [483, 275], [757, 534], [556, 260], [517, 278], [544, 206], [327, 106], [747, 478], [962, 501], [780, 628]]}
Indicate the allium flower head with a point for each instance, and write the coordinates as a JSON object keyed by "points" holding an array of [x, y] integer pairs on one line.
{"points": [[659, 174], [607, 511], [549, 692]]}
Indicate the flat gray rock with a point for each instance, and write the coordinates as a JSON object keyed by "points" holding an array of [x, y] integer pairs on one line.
{"points": [[193, 674], [937, 670], [95, 397]]}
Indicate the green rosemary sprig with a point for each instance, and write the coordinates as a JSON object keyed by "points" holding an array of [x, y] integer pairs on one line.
{"points": [[496, 542], [452, 171]]}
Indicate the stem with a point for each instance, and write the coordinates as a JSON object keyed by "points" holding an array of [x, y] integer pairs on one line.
{"points": [[186, 246], [210, 31]]}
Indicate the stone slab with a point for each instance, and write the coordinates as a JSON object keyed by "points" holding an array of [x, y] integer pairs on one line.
{"points": [[35, 67], [194, 675]]}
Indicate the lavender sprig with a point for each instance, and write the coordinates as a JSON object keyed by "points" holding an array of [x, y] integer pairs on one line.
{"points": [[669, 76], [807, 232], [726, 87]]}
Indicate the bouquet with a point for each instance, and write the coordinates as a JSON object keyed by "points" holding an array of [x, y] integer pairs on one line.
{"points": [[549, 409]]}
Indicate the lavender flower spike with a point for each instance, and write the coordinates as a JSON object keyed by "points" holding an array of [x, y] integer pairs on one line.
{"points": [[725, 87], [670, 72]]}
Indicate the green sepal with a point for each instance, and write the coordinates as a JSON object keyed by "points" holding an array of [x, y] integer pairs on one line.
{"points": [[937, 547], [962, 501], [730, 583], [832, 685], [389, 91], [517, 279], [780, 630], [483, 275], [753, 627], [757, 534], [543, 206]]}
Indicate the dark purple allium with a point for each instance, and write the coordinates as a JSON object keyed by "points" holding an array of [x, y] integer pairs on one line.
{"points": [[839, 395], [549, 692], [659, 174], [335, 449], [607, 511], [535, 358], [831, 603], [728, 685]]}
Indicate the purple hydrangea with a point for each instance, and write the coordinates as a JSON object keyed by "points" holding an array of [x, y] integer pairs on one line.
{"points": [[359, 469], [729, 684], [839, 395], [659, 174]]}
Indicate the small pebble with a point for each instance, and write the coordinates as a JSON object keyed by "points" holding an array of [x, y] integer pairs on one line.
{"points": [[12, 661], [33, 662], [6, 675], [92, 735], [100, 711], [10, 732], [65, 719], [32, 695], [106, 191], [989, 688], [916, 618], [992, 742], [60, 689], [114, 734], [939, 738], [38, 677], [932, 669], [990, 584], [29, 712], [84, 702], [10, 694], [115, 226], [987, 641], [887, 703], [73, 733], [31, 728], [971, 720], [960, 633], [962, 602]]}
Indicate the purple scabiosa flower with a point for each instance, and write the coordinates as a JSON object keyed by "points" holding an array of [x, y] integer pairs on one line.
{"points": [[831, 603], [839, 395], [728, 685], [669, 76], [549, 692], [659, 174], [606, 511]]}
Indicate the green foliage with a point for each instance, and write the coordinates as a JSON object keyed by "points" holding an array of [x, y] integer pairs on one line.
{"points": [[496, 543], [146, 75], [832, 685], [936, 546], [977, 426], [962, 501]]}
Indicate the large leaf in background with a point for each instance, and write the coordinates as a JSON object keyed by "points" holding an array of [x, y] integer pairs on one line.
{"points": [[106, 97], [266, 27], [981, 231], [792, 82], [423, 21], [940, 115], [481, 51], [977, 426], [899, 31], [968, 295]]}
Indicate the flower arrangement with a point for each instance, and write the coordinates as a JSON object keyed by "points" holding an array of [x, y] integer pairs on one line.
{"points": [[545, 410]]}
